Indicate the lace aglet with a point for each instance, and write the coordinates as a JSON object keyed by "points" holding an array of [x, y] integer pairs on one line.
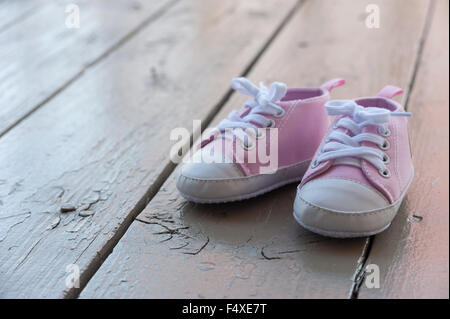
{"points": [[408, 114]]}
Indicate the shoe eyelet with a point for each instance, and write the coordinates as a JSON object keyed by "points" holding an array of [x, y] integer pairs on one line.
{"points": [[386, 159], [385, 146], [248, 147], [315, 163], [386, 133], [384, 172], [260, 134], [335, 126], [272, 124], [281, 114]]}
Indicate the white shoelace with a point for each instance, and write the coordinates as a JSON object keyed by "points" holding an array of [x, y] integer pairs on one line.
{"points": [[262, 103], [344, 148]]}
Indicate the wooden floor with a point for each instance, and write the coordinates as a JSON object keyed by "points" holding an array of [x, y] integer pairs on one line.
{"points": [[86, 116]]}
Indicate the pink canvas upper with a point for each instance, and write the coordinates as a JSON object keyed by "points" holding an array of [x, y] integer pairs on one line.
{"points": [[400, 164], [300, 130]]}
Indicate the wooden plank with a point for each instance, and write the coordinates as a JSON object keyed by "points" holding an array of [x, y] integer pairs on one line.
{"points": [[12, 12], [40, 56], [104, 141], [412, 254], [255, 248]]}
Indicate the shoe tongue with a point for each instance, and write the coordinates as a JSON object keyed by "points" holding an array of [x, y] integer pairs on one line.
{"points": [[246, 109], [347, 171]]}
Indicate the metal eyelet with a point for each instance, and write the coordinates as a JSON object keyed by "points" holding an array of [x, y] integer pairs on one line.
{"points": [[260, 134], [315, 163], [385, 146], [281, 114], [385, 173], [248, 147], [386, 133], [335, 126], [386, 159], [272, 124]]}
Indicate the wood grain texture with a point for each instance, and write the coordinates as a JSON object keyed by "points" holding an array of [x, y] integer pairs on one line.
{"points": [[12, 11], [252, 249], [39, 56], [104, 142], [255, 249], [413, 253]]}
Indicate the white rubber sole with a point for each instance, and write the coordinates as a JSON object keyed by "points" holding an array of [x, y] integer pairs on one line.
{"points": [[337, 234], [351, 234], [241, 197], [211, 191]]}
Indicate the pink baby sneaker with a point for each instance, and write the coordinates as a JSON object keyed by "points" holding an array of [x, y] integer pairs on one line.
{"points": [[361, 170], [267, 144]]}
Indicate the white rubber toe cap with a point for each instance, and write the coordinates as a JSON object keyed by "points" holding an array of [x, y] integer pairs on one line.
{"points": [[207, 179], [342, 208], [343, 195], [207, 166]]}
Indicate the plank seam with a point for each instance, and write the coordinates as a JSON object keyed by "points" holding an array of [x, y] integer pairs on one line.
{"points": [[107, 249], [359, 275], [147, 21], [215, 110], [420, 47], [360, 271]]}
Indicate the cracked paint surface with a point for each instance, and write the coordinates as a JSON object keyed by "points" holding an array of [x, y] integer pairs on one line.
{"points": [[245, 249]]}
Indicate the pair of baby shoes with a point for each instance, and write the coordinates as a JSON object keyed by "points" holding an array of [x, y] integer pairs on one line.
{"points": [[354, 173]]}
